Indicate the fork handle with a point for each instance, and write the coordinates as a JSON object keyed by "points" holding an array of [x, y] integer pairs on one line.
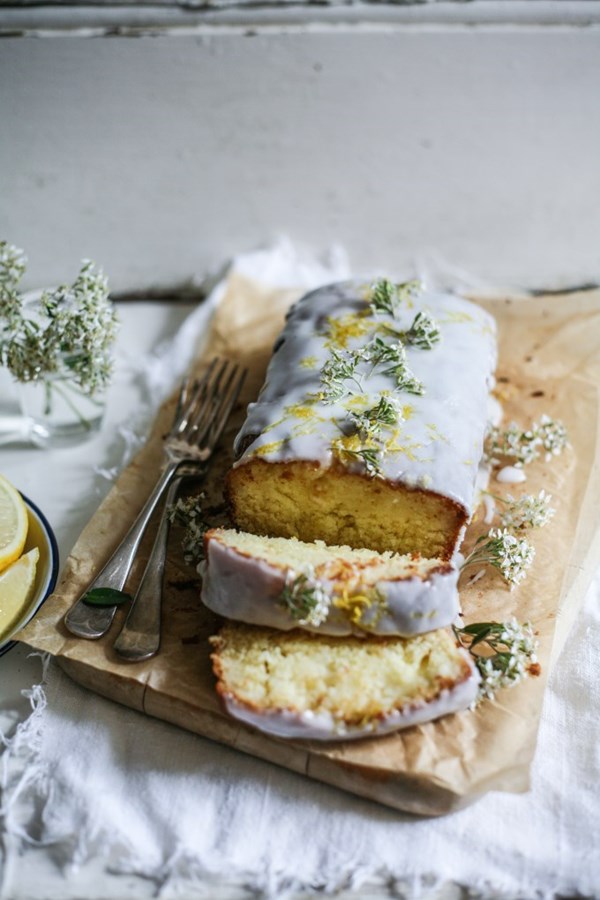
{"points": [[140, 636], [92, 622]]}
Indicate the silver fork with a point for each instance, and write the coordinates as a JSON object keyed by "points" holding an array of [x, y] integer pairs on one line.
{"points": [[202, 411], [139, 637]]}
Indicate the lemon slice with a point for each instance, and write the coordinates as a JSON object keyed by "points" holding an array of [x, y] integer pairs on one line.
{"points": [[17, 584], [13, 523]]}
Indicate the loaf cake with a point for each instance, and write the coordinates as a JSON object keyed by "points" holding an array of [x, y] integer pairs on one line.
{"points": [[300, 685], [369, 428], [285, 583]]}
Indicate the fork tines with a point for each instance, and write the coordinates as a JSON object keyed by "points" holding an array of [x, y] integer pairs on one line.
{"points": [[205, 404]]}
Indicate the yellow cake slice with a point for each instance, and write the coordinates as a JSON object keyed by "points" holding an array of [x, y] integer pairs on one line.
{"points": [[300, 685], [285, 583]]}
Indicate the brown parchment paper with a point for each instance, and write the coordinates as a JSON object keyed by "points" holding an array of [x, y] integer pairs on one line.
{"points": [[549, 363]]}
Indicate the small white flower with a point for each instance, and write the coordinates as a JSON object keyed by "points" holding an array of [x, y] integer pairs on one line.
{"points": [[305, 597], [511, 555], [528, 511], [505, 654], [189, 514], [552, 436], [12, 265], [387, 297], [424, 332], [526, 445]]}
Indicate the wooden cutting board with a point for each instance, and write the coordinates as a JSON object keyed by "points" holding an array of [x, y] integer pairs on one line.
{"points": [[549, 363]]}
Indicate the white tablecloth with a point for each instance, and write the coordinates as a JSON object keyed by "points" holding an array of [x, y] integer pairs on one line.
{"points": [[90, 787]]}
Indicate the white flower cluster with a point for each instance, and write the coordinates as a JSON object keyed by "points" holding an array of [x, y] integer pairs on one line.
{"points": [[387, 297], [305, 598], [527, 511], [552, 436], [189, 514], [513, 647], [12, 265], [71, 329], [547, 438], [424, 331], [12, 268], [511, 555]]}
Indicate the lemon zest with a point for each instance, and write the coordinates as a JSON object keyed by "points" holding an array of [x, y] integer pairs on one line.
{"points": [[344, 328], [265, 449]]}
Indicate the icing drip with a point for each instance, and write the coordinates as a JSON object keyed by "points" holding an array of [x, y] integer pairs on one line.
{"points": [[322, 726], [511, 475]]}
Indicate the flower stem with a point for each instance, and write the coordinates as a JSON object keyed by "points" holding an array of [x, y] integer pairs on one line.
{"points": [[65, 395]]}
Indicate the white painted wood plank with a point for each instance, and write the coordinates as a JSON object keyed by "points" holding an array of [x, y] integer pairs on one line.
{"points": [[160, 157], [429, 13]]}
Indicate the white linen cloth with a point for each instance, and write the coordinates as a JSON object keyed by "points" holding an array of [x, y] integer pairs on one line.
{"points": [[87, 778]]}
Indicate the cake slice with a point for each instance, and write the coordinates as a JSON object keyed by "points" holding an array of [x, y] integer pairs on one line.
{"points": [[300, 685], [285, 583]]}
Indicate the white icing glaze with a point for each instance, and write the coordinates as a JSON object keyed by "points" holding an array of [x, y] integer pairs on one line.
{"points": [[323, 727], [437, 445], [495, 411], [481, 485], [489, 505], [246, 588], [511, 475]]}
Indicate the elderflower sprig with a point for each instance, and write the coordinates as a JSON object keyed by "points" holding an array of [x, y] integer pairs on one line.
{"points": [[386, 297], [378, 351], [405, 379], [369, 457], [548, 437], [526, 511], [305, 598], [340, 367], [511, 555], [12, 268], [552, 436], [188, 513], [424, 332], [12, 265], [370, 422], [70, 330], [506, 653]]}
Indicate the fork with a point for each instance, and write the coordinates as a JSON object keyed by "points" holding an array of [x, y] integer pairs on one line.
{"points": [[203, 408], [139, 637]]}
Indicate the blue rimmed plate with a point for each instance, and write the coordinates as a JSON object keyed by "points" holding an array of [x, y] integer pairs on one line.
{"points": [[39, 535]]}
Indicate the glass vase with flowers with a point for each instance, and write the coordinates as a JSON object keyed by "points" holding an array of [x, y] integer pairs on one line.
{"points": [[56, 344]]}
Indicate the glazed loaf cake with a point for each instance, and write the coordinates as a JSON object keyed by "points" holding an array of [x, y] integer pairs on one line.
{"points": [[299, 685], [369, 428], [285, 583]]}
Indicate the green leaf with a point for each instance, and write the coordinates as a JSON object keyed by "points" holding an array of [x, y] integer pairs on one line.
{"points": [[106, 597], [481, 636], [477, 627]]}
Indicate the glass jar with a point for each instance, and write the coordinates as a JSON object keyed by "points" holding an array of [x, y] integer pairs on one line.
{"points": [[58, 411]]}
